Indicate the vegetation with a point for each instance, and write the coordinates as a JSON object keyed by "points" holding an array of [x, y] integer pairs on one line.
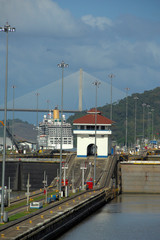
{"points": [[151, 116]]}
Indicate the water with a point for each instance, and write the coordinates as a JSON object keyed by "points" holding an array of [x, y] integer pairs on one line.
{"points": [[129, 217]]}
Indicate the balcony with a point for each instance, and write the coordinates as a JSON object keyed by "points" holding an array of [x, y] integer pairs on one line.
{"points": [[92, 132]]}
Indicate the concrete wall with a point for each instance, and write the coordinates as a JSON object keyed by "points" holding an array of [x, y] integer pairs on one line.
{"points": [[140, 178], [18, 173]]}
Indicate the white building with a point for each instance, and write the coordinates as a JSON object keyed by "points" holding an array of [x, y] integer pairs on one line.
{"points": [[85, 131], [49, 132]]}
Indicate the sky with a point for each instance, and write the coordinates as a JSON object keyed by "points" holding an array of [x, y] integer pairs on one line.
{"points": [[100, 36]]}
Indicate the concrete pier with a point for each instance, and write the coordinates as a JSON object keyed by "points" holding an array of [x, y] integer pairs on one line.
{"points": [[54, 220]]}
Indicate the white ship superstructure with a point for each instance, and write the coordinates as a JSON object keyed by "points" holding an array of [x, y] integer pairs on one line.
{"points": [[49, 132]]}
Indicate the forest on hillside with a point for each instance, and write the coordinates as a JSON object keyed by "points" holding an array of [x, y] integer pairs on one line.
{"points": [[144, 111]]}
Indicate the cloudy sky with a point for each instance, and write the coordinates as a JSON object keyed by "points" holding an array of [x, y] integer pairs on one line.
{"points": [[100, 36]]}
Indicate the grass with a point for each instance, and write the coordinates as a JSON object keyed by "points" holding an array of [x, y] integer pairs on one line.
{"points": [[22, 214], [24, 203]]}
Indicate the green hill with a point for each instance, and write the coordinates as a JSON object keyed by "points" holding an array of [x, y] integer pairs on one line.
{"points": [[151, 116]]}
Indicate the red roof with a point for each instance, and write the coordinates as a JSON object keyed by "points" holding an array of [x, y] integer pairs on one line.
{"points": [[90, 119]]}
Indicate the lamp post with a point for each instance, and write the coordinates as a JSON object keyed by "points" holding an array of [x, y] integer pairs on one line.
{"points": [[37, 95], [150, 125], [7, 28], [152, 110], [135, 130], [111, 76], [127, 89], [148, 106], [143, 105], [62, 65], [96, 83], [13, 112]]}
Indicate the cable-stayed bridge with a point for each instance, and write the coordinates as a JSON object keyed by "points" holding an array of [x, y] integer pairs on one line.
{"points": [[78, 94]]}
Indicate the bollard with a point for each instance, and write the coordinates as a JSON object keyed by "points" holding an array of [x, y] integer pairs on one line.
{"points": [[51, 211], [17, 228], [2, 235], [41, 216], [60, 208], [30, 221]]}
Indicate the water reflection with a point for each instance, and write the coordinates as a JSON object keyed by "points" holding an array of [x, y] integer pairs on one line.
{"points": [[129, 216]]}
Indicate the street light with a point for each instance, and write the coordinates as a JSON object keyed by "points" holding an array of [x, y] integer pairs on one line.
{"points": [[150, 123], [13, 112], [148, 106], [37, 94], [111, 76], [135, 98], [143, 105], [62, 65], [127, 89], [7, 28], [152, 110], [96, 83]]}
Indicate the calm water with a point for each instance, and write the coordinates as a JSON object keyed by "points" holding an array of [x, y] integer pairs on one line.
{"points": [[127, 217]]}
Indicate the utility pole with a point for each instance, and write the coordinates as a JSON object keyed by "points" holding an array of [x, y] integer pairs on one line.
{"points": [[45, 186], [37, 94], [96, 83], [135, 129], [126, 143], [9, 192], [13, 113], [111, 76], [83, 167], [65, 167], [80, 89], [152, 110], [7, 28], [62, 65], [28, 193], [143, 105]]}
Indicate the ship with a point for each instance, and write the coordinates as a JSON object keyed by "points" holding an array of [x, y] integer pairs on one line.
{"points": [[49, 132]]}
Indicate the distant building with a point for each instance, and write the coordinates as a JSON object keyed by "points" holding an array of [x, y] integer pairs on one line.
{"points": [[27, 145], [8, 143], [85, 131]]}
